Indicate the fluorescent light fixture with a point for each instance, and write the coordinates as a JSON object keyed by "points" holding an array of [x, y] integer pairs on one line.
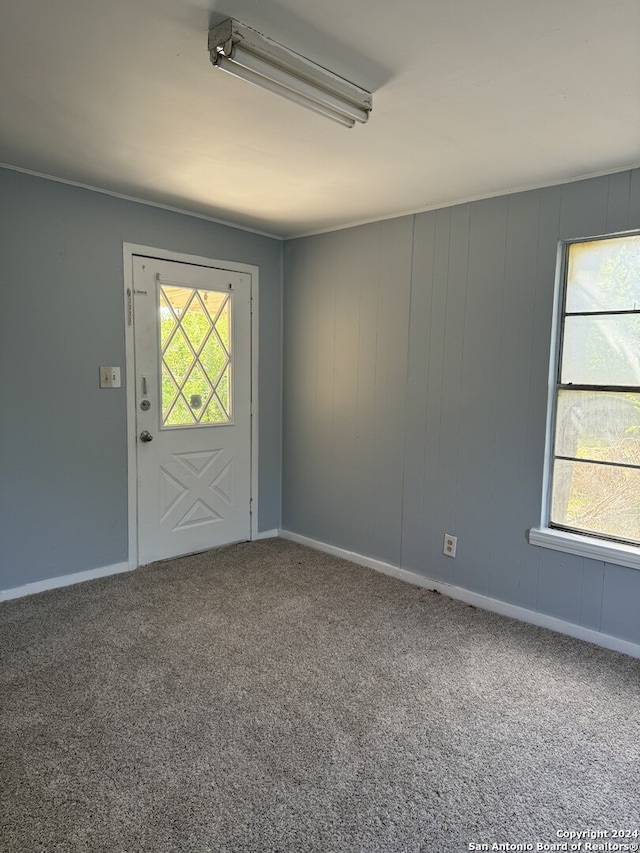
{"points": [[248, 54]]}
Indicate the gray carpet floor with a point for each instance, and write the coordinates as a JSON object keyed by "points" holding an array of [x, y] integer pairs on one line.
{"points": [[266, 697]]}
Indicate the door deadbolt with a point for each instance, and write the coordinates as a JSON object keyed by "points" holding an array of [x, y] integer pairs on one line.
{"points": [[145, 405]]}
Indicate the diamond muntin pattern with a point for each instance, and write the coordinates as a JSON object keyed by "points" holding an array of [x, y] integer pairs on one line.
{"points": [[195, 338]]}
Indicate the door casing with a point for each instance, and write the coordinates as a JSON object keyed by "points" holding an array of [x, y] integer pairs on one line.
{"points": [[129, 251]]}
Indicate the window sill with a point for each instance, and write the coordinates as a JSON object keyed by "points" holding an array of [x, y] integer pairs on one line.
{"points": [[586, 546]]}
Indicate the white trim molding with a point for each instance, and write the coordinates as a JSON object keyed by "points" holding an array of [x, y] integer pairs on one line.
{"points": [[63, 580], [484, 602], [145, 201], [586, 546], [265, 534]]}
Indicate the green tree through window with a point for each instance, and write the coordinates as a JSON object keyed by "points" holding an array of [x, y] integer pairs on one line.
{"points": [[596, 460], [196, 356]]}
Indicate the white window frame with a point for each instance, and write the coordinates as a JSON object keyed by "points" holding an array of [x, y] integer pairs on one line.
{"points": [[583, 545]]}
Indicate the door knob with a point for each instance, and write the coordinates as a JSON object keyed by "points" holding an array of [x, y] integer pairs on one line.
{"points": [[145, 435]]}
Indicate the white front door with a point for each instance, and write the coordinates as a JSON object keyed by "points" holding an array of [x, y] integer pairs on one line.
{"points": [[192, 331]]}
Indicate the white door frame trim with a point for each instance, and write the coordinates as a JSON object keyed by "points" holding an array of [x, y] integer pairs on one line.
{"points": [[129, 250]]}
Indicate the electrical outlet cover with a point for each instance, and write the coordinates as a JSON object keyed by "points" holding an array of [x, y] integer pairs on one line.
{"points": [[450, 545]]}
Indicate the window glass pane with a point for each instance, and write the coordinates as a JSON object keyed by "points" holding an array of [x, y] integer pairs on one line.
{"points": [[601, 350], [599, 425], [596, 499], [195, 356], [604, 275], [179, 414], [214, 413]]}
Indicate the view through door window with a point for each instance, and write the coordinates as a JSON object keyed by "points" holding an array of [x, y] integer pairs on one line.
{"points": [[195, 336]]}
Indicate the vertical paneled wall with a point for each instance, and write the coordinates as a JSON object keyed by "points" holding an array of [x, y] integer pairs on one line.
{"points": [[416, 356], [345, 365], [63, 441]]}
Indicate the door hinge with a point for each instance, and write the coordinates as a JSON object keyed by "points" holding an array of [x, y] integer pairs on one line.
{"points": [[129, 307]]}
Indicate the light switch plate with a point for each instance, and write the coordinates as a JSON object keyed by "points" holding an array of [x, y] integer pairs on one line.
{"points": [[110, 377]]}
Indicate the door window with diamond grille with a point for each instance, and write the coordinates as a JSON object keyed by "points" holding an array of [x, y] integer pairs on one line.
{"points": [[195, 356]]}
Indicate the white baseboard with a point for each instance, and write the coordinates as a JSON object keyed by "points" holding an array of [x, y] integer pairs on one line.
{"points": [[79, 577], [467, 596], [63, 580], [478, 600], [266, 534]]}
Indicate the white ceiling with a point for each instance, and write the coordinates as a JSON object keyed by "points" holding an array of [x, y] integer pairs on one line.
{"points": [[471, 99]]}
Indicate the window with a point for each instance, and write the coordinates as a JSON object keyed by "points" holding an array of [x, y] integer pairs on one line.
{"points": [[594, 476], [196, 356]]}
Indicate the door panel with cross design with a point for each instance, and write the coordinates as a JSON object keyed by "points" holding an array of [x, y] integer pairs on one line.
{"points": [[193, 403]]}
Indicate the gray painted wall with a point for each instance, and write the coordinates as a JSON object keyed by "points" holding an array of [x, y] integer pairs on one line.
{"points": [[416, 356], [63, 451]]}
